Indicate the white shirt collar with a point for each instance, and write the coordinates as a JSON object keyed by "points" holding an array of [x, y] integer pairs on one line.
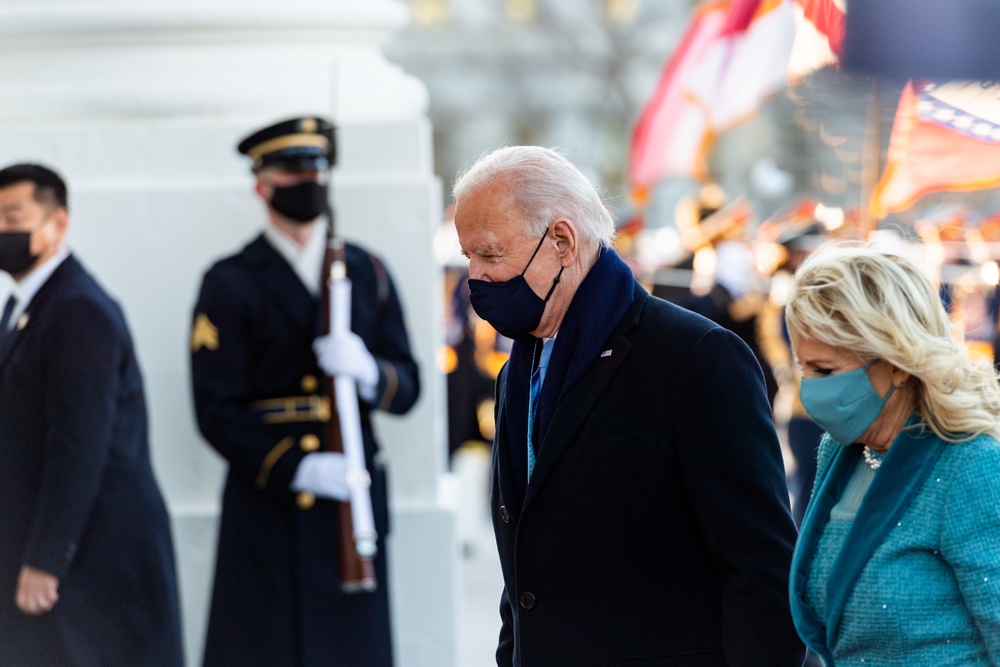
{"points": [[307, 260]]}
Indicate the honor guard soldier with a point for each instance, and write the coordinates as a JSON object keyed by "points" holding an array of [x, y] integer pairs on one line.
{"points": [[258, 364]]}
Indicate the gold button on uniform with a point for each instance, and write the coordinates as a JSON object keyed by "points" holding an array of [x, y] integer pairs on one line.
{"points": [[309, 443], [305, 500], [309, 383]]}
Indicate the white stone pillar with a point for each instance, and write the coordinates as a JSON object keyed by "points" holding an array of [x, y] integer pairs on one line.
{"points": [[139, 104]]}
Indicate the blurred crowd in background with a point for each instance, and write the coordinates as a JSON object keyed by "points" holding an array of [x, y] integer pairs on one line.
{"points": [[813, 139], [720, 260]]}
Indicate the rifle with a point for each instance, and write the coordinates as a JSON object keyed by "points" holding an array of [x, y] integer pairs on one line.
{"points": [[357, 538]]}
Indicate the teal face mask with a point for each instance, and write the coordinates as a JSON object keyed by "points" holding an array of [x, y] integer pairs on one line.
{"points": [[843, 405]]}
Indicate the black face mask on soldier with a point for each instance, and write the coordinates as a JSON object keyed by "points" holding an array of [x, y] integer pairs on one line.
{"points": [[15, 252], [300, 203]]}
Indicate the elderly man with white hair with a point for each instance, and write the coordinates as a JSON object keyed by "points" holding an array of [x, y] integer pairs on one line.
{"points": [[638, 493]]}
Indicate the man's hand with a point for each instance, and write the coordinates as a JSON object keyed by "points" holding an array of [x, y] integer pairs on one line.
{"points": [[346, 355], [37, 591]]}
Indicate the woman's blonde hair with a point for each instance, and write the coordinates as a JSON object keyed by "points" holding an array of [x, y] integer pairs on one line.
{"points": [[881, 306]]}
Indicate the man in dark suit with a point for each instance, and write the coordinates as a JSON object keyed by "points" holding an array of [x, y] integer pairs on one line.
{"points": [[257, 365], [86, 561], [638, 494]]}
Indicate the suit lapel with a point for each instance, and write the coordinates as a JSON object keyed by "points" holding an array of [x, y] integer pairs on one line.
{"points": [[8, 344], [69, 267], [10, 340], [280, 283], [501, 451], [575, 407]]}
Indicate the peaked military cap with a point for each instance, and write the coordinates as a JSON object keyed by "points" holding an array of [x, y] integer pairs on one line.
{"points": [[294, 144]]}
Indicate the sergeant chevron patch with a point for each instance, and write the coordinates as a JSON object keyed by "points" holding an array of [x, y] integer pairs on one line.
{"points": [[204, 334]]}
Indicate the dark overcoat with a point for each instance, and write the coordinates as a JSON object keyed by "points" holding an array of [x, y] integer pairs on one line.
{"points": [[78, 497], [655, 529], [258, 395]]}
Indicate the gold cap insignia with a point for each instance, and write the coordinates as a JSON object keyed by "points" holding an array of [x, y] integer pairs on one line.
{"points": [[204, 334], [307, 125]]}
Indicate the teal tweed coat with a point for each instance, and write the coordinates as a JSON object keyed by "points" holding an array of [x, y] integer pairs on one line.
{"points": [[917, 578]]}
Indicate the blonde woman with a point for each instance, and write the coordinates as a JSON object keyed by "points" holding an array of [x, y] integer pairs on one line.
{"points": [[898, 558]]}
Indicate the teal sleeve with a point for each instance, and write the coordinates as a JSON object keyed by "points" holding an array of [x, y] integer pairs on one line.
{"points": [[970, 539]]}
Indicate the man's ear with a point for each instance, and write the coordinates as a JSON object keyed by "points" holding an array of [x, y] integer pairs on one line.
{"points": [[61, 217], [564, 233], [258, 187], [56, 233]]}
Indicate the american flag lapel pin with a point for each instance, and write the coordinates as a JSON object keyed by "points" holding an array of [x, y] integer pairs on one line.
{"points": [[606, 353]]}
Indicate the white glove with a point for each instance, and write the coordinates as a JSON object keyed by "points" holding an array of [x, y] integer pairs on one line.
{"points": [[346, 354], [323, 474]]}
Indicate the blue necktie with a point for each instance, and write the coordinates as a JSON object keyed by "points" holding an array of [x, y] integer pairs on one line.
{"points": [[537, 378], [8, 310]]}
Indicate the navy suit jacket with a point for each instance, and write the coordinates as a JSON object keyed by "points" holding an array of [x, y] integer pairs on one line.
{"points": [[78, 497], [655, 529]]}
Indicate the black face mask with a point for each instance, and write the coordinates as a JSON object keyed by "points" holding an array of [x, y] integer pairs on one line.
{"points": [[511, 307], [15, 252], [300, 203]]}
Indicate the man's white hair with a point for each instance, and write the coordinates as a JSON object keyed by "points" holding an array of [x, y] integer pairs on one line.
{"points": [[544, 186]]}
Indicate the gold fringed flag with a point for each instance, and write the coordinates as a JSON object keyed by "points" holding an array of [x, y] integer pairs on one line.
{"points": [[945, 137]]}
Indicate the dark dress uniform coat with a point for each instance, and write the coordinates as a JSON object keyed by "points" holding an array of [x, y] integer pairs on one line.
{"points": [[257, 391], [655, 529], [77, 494]]}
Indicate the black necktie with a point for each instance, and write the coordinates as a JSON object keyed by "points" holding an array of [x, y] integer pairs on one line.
{"points": [[8, 310]]}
